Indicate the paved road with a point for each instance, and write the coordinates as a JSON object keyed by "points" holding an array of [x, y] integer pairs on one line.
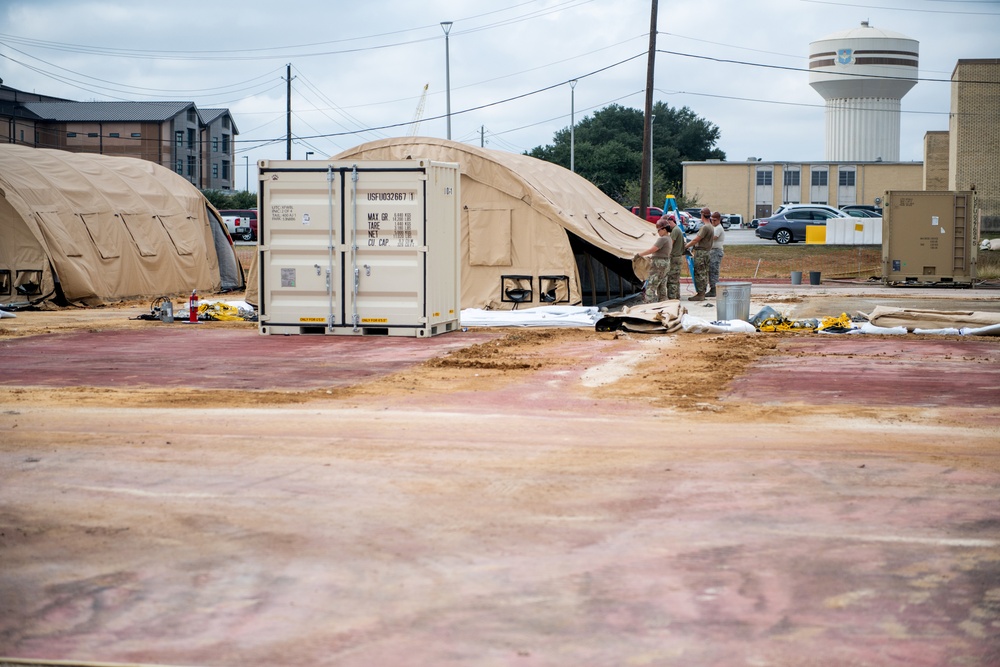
{"points": [[744, 237]]}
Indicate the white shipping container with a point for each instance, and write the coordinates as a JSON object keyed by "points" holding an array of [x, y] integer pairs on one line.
{"points": [[359, 248]]}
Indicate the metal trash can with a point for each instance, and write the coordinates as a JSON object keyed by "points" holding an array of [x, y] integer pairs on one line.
{"points": [[733, 302], [815, 277]]}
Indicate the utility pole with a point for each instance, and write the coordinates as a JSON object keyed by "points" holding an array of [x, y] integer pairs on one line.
{"points": [[288, 111], [482, 136], [572, 125], [647, 131]]}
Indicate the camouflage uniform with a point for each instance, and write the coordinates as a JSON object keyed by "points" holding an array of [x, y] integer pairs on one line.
{"points": [[716, 254], [656, 284], [677, 261], [702, 258], [702, 264]]}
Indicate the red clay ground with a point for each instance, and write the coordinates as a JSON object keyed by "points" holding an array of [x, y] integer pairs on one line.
{"points": [[500, 497]]}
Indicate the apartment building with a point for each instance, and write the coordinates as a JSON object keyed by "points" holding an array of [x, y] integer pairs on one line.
{"points": [[196, 143]]}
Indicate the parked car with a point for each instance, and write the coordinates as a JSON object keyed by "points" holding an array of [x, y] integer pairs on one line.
{"points": [[876, 211], [731, 220], [787, 207], [861, 213], [789, 226], [652, 213], [241, 223]]}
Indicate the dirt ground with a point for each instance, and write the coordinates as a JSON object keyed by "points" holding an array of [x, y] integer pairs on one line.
{"points": [[501, 496]]}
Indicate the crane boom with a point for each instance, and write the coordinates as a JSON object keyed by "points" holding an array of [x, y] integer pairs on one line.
{"points": [[415, 125]]}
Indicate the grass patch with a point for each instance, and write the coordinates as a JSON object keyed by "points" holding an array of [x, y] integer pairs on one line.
{"points": [[844, 262], [777, 261]]}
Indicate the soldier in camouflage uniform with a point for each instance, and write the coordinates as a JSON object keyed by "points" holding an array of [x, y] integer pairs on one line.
{"points": [[702, 244], [677, 260], [659, 254]]}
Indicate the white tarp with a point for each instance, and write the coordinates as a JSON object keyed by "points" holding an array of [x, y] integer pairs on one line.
{"points": [[543, 316]]}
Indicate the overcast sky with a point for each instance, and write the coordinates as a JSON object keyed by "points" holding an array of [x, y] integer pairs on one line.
{"points": [[359, 68]]}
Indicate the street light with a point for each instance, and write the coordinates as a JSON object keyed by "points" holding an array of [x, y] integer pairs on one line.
{"points": [[308, 153], [446, 26], [572, 125], [652, 119]]}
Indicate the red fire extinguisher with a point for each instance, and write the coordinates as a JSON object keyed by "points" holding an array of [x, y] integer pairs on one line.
{"points": [[193, 306]]}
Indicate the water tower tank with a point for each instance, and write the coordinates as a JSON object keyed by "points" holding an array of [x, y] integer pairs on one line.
{"points": [[863, 74]]}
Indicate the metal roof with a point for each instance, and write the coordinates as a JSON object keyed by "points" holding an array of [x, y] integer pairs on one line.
{"points": [[209, 116], [108, 111]]}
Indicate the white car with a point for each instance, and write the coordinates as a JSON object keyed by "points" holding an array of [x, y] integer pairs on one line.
{"points": [[837, 213]]}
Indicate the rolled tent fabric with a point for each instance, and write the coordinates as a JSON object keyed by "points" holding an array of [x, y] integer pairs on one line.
{"points": [[914, 318]]}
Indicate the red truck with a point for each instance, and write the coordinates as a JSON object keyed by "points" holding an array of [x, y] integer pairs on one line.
{"points": [[652, 213]]}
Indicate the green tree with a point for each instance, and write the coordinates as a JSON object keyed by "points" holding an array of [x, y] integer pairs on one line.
{"points": [[222, 199], [608, 149]]}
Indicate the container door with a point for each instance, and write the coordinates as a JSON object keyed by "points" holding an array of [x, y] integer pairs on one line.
{"points": [[385, 276], [301, 245]]}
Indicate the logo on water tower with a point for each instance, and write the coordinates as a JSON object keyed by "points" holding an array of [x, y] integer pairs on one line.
{"points": [[845, 56]]}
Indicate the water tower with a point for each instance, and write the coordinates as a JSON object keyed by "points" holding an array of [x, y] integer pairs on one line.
{"points": [[863, 73]]}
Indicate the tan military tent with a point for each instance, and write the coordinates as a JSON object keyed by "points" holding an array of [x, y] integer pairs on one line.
{"points": [[533, 232], [91, 229]]}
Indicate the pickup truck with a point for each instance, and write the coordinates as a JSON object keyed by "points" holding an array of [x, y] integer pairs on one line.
{"points": [[241, 223], [652, 213]]}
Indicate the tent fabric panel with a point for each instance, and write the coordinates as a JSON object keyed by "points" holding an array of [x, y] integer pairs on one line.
{"points": [[67, 233], [20, 250], [180, 233], [145, 231], [78, 273], [106, 233], [489, 237]]}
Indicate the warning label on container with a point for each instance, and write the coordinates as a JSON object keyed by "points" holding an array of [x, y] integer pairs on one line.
{"points": [[288, 277]]}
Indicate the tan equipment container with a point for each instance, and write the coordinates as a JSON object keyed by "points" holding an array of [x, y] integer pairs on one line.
{"points": [[929, 238]]}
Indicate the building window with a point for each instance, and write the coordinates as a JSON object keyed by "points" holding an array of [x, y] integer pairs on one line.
{"points": [[192, 117], [764, 177], [225, 143], [190, 137], [215, 144], [215, 170], [114, 135], [179, 166], [225, 170], [847, 178], [137, 135], [92, 135], [792, 178], [225, 122], [192, 165], [71, 134], [22, 136], [819, 178], [179, 138]]}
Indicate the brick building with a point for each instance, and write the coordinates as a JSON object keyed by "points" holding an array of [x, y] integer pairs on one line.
{"points": [[974, 135], [197, 144]]}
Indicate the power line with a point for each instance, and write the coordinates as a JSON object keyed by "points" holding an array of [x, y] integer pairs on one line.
{"points": [[801, 69]]}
